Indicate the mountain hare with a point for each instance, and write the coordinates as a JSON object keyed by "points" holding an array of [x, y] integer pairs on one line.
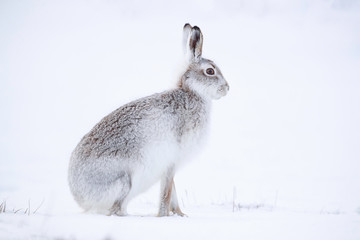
{"points": [[146, 140]]}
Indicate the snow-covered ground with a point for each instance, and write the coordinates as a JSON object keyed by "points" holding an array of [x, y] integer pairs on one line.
{"points": [[205, 223], [284, 146]]}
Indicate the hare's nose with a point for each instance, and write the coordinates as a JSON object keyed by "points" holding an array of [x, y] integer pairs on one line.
{"points": [[224, 89], [227, 87]]}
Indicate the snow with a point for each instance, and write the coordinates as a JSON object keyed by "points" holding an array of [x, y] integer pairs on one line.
{"points": [[213, 222], [284, 142]]}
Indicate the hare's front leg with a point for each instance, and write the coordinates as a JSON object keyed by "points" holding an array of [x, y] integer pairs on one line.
{"points": [[168, 200], [174, 204]]}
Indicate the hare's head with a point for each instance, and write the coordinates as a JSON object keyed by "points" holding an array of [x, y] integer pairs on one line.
{"points": [[202, 75]]}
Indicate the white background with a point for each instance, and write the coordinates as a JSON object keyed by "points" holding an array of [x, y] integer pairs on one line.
{"points": [[286, 137]]}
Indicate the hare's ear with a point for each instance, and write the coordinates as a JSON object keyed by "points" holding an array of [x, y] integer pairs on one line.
{"points": [[195, 44], [186, 34]]}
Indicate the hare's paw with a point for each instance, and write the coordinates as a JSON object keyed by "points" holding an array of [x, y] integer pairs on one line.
{"points": [[120, 213], [118, 209], [163, 212], [174, 211], [178, 211]]}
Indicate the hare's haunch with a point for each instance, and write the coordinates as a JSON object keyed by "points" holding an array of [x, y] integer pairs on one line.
{"points": [[146, 140]]}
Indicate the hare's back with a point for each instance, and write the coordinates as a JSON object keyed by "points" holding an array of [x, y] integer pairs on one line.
{"points": [[126, 131]]}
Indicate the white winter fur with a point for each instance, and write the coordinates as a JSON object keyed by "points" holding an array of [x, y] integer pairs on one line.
{"points": [[147, 140], [157, 158]]}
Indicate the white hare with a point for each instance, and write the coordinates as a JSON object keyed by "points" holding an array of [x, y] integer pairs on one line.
{"points": [[146, 140]]}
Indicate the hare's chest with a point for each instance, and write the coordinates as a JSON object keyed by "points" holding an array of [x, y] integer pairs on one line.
{"points": [[157, 159], [192, 142]]}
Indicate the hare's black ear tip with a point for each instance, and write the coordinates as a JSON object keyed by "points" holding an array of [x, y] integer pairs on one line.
{"points": [[187, 25], [196, 28]]}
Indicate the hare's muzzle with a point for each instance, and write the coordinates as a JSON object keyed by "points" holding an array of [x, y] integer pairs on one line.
{"points": [[223, 90]]}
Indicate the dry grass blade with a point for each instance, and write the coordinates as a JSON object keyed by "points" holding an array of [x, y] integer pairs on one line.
{"points": [[3, 207], [17, 210], [29, 207], [27, 210], [234, 197], [39, 206]]}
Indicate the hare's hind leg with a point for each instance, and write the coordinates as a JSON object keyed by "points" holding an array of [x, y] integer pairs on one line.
{"points": [[165, 197], [120, 204], [118, 209]]}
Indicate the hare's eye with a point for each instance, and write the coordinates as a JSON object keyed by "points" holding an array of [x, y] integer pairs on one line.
{"points": [[210, 71]]}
